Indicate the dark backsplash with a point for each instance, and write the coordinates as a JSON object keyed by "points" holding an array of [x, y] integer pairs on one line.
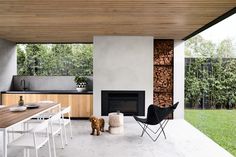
{"points": [[48, 83]]}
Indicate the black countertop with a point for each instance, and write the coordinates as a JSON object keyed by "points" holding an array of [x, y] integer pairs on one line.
{"points": [[47, 92]]}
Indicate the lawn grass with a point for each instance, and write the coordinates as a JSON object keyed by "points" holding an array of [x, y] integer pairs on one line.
{"points": [[219, 125]]}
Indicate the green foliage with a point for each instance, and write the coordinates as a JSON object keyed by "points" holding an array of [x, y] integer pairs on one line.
{"points": [[20, 60], [225, 49], [81, 80], [34, 59], [196, 83], [84, 65], [219, 125], [55, 59], [199, 47], [211, 74], [229, 82]]}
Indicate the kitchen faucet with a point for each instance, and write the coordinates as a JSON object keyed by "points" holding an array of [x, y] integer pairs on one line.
{"points": [[22, 82]]}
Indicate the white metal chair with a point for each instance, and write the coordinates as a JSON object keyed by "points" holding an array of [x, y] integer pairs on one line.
{"points": [[56, 128], [34, 139], [12, 129], [45, 115], [66, 122], [46, 101], [49, 113]]}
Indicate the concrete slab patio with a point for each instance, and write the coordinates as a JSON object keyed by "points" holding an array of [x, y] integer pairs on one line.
{"points": [[183, 140]]}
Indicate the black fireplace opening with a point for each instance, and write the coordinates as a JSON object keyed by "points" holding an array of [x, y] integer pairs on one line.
{"points": [[128, 102]]}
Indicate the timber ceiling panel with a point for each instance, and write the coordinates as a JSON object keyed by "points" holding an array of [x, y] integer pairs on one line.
{"points": [[80, 20]]}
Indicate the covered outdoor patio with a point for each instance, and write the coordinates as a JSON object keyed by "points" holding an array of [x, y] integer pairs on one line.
{"points": [[138, 46]]}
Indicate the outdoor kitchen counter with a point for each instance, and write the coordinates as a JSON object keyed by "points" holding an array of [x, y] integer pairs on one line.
{"points": [[47, 92], [81, 102]]}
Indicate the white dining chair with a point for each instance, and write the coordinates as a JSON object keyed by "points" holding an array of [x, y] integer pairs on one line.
{"points": [[11, 132], [46, 101], [55, 128], [48, 114], [12, 129], [34, 139], [55, 125], [45, 115], [65, 111], [66, 122]]}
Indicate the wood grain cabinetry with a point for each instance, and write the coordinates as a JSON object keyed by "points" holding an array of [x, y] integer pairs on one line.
{"points": [[81, 104]]}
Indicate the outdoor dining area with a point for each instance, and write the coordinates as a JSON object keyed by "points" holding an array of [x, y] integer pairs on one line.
{"points": [[35, 127]]}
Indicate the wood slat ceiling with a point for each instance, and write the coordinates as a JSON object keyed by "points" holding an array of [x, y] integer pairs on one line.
{"points": [[80, 20]]}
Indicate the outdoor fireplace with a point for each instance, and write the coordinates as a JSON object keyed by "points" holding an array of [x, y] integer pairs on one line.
{"points": [[127, 102]]}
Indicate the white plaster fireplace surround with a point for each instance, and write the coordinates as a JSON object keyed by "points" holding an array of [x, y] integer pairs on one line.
{"points": [[122, 63]]}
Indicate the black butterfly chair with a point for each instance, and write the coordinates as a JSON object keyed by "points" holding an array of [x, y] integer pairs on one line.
{"points": [[155, 115]]}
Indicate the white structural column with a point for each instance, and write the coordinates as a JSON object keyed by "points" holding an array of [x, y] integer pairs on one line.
{"points": [[179, 75]]}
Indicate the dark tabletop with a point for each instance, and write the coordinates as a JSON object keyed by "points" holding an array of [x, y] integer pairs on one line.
{"points": [[47, 92]]}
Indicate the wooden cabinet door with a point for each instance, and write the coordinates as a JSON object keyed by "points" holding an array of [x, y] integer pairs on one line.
{"points": [[10, 99], [81, 104]]}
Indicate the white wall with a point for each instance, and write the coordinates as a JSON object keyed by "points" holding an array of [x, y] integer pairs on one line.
{"points": [[8, 66], [179, 76], [122, 63]]}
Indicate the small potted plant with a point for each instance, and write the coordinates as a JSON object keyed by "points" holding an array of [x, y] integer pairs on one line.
{"points": [[81, 83]]}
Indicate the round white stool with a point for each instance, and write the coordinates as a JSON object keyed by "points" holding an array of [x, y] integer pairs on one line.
{"points": [[116, 122], [116, 130], [116, 119]]}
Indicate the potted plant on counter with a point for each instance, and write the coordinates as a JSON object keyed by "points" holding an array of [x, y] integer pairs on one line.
{"points": [[81, 83]]}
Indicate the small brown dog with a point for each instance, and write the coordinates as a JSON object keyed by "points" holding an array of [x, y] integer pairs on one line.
{"points": [[97, 124]]}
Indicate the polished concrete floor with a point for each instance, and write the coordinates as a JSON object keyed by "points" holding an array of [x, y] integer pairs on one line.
{"points": [[183, 140]]}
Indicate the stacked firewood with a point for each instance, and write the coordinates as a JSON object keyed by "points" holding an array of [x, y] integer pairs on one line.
{"points": [[163, 99], [163, 79], [161, 46], [163, 72], [163, 52], [162, 59]]}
